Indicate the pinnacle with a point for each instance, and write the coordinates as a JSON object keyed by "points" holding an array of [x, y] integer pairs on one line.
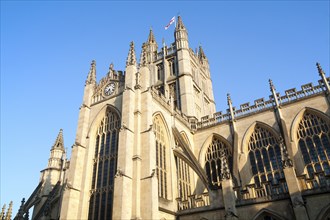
{"points": [[201, 53], [59, 143], [91, 77], [180, 24], [131, 59], [151, 37]]}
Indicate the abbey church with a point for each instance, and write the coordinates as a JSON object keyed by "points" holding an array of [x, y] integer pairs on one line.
{"points": [[150, 145]]}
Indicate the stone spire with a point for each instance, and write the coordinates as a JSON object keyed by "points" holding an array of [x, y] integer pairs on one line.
{"points": [[91, 77], [273, 90], [59, 143], [131, 58], [180, 24], [151, 37]]}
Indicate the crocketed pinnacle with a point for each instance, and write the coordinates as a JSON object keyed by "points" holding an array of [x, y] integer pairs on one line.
{"points": [[143, 57], [59, 143], [91, 77], [271, 85], [131, 58], [180, 24], [151, 37], [201, 53], [319, 68]]}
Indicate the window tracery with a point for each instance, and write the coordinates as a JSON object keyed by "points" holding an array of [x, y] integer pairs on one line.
{"points": [[104, 167], [217, 156], [314, 142], [161, 159], [265, 156]]}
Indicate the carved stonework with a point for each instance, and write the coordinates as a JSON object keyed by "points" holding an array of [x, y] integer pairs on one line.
{"points": [[286, 161]]}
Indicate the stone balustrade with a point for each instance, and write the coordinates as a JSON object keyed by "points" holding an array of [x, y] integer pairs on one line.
{"points": [[193, 201]]}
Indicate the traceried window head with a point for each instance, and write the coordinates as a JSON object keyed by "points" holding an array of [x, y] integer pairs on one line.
{"points": [[314, 143], [104, 167], [161, 156], [265, 156], [218, 161]]}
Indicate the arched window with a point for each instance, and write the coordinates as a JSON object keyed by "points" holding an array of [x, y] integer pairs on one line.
{"points": [[265, 156], [183, 176], [314, 143], [217, 157], [161, 159], [104, 167]]}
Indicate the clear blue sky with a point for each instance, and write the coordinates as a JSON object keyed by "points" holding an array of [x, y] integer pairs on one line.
{"points": [[47, 47]]}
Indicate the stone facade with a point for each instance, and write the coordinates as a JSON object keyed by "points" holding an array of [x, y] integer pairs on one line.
{"points": [[149, 145]]}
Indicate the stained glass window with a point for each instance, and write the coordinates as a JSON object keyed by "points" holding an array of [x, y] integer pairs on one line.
{"points": [[104, 166], [264, 156], [161, 151], [214, 156], [313, 140]]}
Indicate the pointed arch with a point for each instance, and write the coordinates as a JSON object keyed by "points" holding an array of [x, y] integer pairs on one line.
{"points": [[263, 153], [207, 142], [99, 116], [216, 159], [103, 145], [250, 130], [268, 213], [310, 133], [162, 145], [299, 117]]}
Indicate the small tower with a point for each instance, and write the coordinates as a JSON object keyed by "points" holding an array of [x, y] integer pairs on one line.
{"points": [[184, 70], [151, 47]]}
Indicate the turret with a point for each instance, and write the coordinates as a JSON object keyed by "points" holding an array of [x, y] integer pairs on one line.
{"points": [[181, 35], [151, 48]]}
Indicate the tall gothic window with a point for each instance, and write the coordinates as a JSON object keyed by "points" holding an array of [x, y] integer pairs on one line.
{"points": [[183, 177], [161, 150], [104, 167], [265, 156], [313, 139], [217, 154]]}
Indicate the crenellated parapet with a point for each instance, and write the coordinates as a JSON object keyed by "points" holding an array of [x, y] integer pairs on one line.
{"points": [[291, 95]]}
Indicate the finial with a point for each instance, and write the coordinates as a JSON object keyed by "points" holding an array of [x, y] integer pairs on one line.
{"points": [[131, 59]]}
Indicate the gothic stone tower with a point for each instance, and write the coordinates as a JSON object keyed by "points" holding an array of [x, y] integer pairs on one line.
{"points": [[121, 163]]}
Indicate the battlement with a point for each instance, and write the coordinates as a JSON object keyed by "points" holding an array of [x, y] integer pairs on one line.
{"points": [[291, 95]]}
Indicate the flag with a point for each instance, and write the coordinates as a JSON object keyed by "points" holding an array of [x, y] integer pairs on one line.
{"points": [[171, 22]]}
